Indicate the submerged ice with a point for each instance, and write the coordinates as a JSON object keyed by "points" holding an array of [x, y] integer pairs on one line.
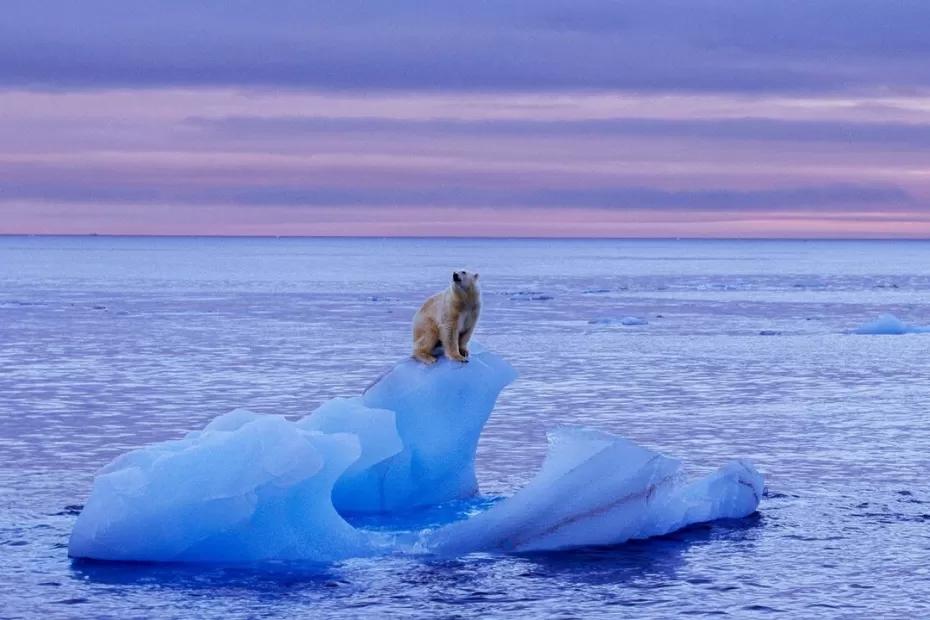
{"points": [[252, 487]]}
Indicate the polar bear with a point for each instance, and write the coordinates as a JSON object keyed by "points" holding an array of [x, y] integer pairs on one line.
{"points": [[448, 319]]}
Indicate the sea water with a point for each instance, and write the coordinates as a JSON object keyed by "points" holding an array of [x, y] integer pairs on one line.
{"points": [[744, 349]]}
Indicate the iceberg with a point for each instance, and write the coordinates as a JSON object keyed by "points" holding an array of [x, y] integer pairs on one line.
{"points": [[889, 324], [251, 487], [595, 488]]}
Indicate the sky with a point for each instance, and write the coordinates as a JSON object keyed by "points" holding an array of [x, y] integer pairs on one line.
{"points": [[639, 118]]}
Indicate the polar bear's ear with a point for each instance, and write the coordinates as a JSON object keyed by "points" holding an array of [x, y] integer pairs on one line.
{"points": [[476, 275], [456, 277]]}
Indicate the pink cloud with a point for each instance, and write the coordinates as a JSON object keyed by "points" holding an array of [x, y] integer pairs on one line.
{"points": [[87, 145]]}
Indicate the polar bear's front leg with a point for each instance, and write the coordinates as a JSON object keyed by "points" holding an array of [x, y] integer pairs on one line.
{"points": [[450, 343], [464, 337]]}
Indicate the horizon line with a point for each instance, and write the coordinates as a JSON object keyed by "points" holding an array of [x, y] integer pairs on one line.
{"points": [[481, 237], [447, 237]]}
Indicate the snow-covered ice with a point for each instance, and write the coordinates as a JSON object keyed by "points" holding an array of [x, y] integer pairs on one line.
{"points": [[252, 487], [889, 324]]}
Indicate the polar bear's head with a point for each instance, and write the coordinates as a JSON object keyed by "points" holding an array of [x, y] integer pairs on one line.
{"points": [[465, 280]]}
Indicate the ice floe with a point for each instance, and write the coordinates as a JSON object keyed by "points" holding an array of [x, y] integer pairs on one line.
{"points": [[251, 487]]}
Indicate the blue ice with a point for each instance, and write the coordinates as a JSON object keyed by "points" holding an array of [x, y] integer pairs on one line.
{"points": [[595, 488], [252, 487], [889, 324], [438, 413], [246, 487]]}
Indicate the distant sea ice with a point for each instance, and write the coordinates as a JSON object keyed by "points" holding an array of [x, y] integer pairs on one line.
{"points": [[889, 324], [626, 320]]}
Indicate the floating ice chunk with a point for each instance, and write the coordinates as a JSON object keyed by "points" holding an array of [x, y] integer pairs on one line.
{"points": [[529, 296], [889, 324], [247, 487], [252, 487], [598, 489], [440, 411], [627, 320]]}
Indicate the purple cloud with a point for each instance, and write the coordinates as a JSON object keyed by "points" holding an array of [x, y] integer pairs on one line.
{"points": [[915, 135], [487, 190], [641, 45]]}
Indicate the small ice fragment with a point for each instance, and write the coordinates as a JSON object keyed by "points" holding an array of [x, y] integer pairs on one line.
{"points": [[529, 296], [627, 320], [889, 324]]}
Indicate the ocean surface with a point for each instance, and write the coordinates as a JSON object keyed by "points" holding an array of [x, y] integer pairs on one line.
{"points": [[111, 343]]}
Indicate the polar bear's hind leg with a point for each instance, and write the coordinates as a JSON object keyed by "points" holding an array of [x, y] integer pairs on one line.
{"points": [[424, 342]]}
